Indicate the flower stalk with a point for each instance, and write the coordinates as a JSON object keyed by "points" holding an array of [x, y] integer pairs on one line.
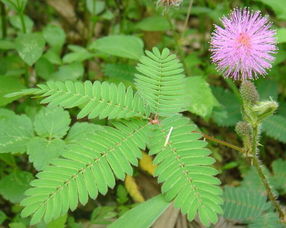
{"points": [[253, 113]]}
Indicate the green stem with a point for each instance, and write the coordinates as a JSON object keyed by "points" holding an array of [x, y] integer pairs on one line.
{"points": [[213, 139], [21, 15], [262, 176], [3, 20], [187, 19], [179, 50]]}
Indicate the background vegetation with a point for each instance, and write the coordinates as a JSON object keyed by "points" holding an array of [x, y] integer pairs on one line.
{"points": [[102, 40]]}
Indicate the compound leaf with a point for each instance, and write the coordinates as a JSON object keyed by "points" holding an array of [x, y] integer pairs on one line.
{"points": [[184, 168], [87, 168], [161, 82]]}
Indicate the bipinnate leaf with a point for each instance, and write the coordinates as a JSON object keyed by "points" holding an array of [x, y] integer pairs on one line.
{"points": [[81, 130], [279, 175], [102, 100], [161, 82], [88, 167], [185, 169], [243, 205], [275, 127], [15, 133], [52, 122]]}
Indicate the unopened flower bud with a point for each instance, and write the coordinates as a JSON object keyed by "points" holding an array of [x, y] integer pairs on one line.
{"points": [[264, 109], [243, 129], [248, 92]]}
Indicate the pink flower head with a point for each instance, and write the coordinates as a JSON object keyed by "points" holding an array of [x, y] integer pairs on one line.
{"points": [[243, 48]]}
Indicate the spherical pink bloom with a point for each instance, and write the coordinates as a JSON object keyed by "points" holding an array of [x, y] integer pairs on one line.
{"points": [[243, 48]]}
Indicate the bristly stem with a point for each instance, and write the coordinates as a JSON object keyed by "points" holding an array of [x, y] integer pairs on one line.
{"points": [[213, 139], [263, 178]]}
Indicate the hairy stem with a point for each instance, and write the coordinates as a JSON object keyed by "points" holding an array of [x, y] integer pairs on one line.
{"points": [[213, 139], [263, 178]]}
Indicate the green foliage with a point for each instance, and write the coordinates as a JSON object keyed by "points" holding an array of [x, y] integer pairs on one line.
{"points": [[161, 82], [269, 220], [143, 215], [95, 99], [246, 206], [54, 36], [155, 23], [78, 54], [229, 112], [52, 122], [279, 175], [202, 101], [9, 84], [275, 127], [15, 133], [184, 168], [87, 168], [130, 47], [243, 205], [278, 7], [30, 47], [42, 151], [119, 71], [281, 35], [13, 186]]}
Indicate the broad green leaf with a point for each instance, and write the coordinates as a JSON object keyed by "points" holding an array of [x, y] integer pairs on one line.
{"points": [[95, 6], [16, 22], [53, 56], [6, 45], [54, 35], [30, 47], [16, 131], [278, 7], [119, 71], [71, 71], [81, 130], [3, 217], [6, 113], [42, 151], [119, 45], [52, 122], [144, 215], [281, 35], [44, 68], [78, 55], [267, 88], [202, 100], [154, 23], [9, 84], [13, 186], [228, 114], [275, 127]]}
